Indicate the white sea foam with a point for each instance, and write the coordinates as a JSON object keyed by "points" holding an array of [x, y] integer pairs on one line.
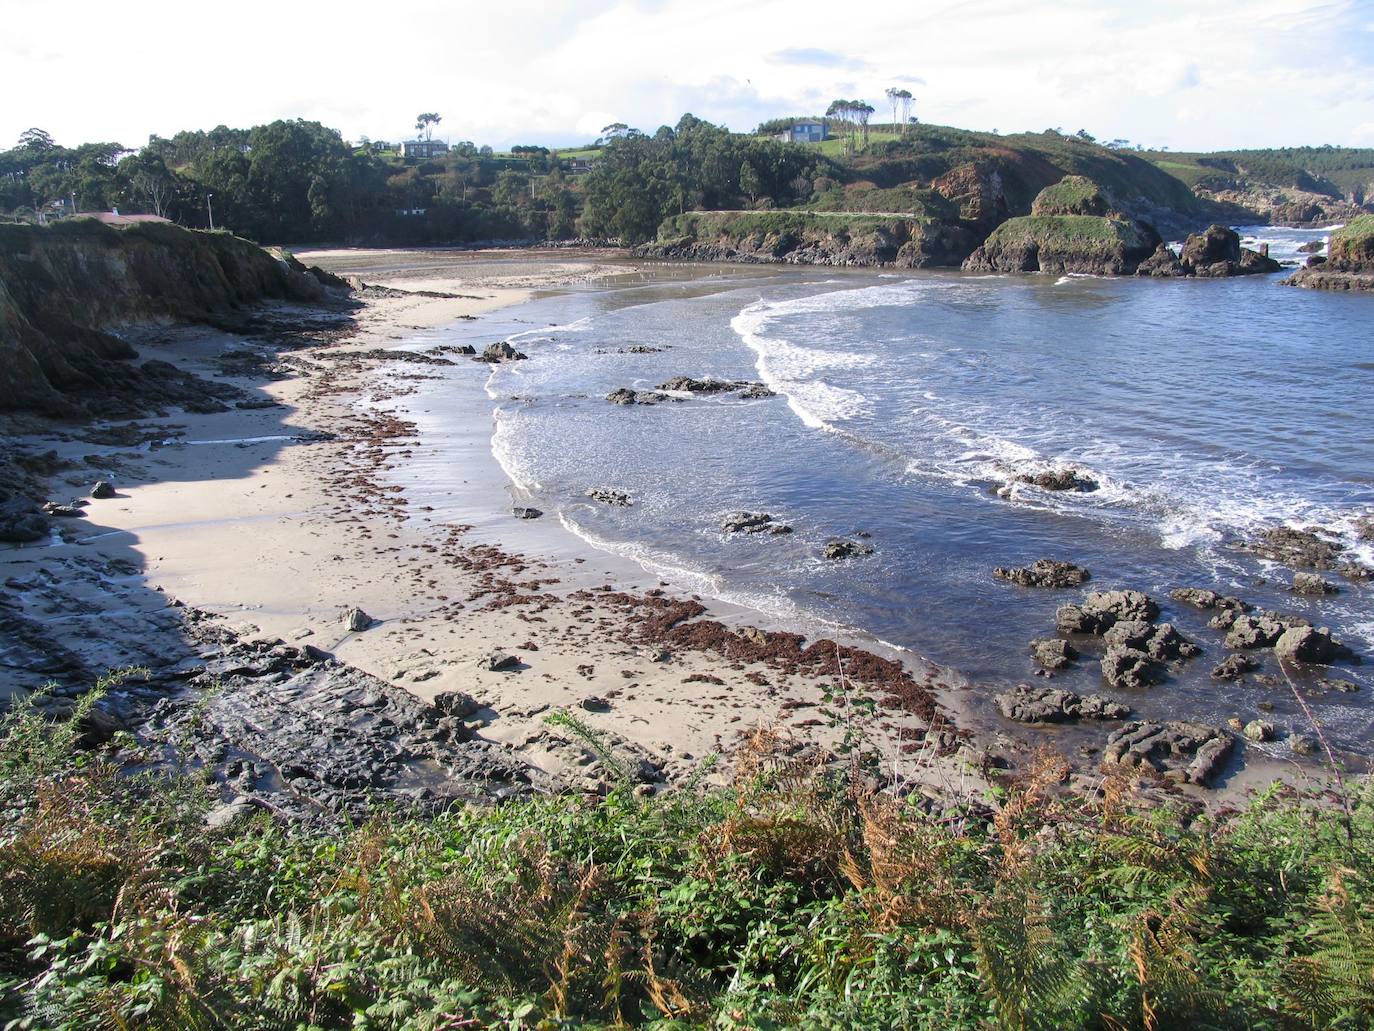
{"points": [[504, 449]]}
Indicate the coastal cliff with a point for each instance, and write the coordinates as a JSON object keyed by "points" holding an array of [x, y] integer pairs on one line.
{"points": [[811, 238], [66, 289]]}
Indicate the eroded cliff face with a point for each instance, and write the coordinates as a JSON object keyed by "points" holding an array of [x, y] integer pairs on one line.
{"points": [[67, 289]]}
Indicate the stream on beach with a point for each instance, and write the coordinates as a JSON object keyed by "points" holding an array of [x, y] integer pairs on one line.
{"points": [[909, 405]]}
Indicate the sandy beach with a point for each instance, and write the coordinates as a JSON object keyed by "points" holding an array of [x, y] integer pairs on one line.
{"points": [[280, 517]]}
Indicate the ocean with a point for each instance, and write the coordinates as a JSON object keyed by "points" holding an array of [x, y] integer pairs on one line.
{"points": [[909, 406]]}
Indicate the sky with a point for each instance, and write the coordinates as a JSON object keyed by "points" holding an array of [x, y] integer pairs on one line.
{"points": [[1175, 73]]}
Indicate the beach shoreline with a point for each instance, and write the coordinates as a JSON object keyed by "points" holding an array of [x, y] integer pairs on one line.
{"points": [[280, 520]]}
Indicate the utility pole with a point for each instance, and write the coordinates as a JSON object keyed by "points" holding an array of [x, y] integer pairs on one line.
{"points": [[209, 211]]}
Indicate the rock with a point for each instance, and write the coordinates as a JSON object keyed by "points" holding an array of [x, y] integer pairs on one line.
{"points": [[757, 390], [1053, 652], [688, 385], [230, 813], [1257, 631], [595, 703], [526, 513], [839, 548], [1128, 667], [1163, 263], [458, 704], [752, 522], [103, 490], [500, 352], [1073, 619], [1201, 598], [356, 620], [52, 508], [625, 396], [1192, 753], [1259, 730], [1296, 547], [498, 661], [1112, 245], [1304, 744], [1233, 667], [1312, 584], [1311, 645], [1027, 704], [1167, 644], [1119, 605], [1217, 243], [1129, 633], [1044, 572], [609, 497], [21, 520], [1060, 480], [1364, 528]]}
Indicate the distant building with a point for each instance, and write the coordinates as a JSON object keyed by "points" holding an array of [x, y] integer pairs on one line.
{"points": [[579, 166], [423, 149], [803, 132], [410, 212]]}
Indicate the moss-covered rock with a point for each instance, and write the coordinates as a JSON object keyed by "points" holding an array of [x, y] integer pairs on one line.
{"points": [[1351, 248], [1065, 243], [1072, 195]]}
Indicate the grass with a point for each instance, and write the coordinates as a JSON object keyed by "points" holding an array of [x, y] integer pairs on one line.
{"points": [[1062, 229], [1072, 195], [736, 225], [1354, 241], [796, 897]]}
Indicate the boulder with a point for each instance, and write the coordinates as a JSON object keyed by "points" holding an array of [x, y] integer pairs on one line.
{"points": [[752, 522], [356, 620], [1254, 631], [500, 352], [1060, 480], [1128, 667], [688, 385], [1291, 546], [1162, 264], [1073, 619], [526, 513], [1311, 645], [1234, 666], [625, 396], [458, 704], [1201, 598], [1167, 644], [840, 548], [1053, 652], [1312, 584], [1044, 572], [1259, 730], [1217, 243], [621, 396], [1026, 704], [607, 496], [756, 391], [1119, 605], [103, 490], [1191, 753], [1304, 744], [21, 521], [497, 661]]}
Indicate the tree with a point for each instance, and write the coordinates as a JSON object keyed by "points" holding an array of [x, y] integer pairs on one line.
{"points": [[749, 182], [900, 100], [426, 122], [863, 111], [35, 139]]}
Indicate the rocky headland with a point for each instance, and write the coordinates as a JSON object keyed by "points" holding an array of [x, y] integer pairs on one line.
{"points": [[1348, 263]]}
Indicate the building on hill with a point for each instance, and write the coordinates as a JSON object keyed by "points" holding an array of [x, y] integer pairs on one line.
{"points": [[423, 149], [803, 132]]}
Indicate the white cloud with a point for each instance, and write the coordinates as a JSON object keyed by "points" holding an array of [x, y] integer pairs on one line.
{"points": [[1258, 72]]}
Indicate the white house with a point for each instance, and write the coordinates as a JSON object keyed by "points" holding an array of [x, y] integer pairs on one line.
{"points": [[423, 149], [803, 132]]}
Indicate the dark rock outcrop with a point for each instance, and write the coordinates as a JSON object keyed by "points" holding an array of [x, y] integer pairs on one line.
{"points": [[1310, 645], [1123, 666], [1060, 480], [1026, 704], [607, 496], [1212, 254], [1234, 666], [1044, 572], [501, 351], [1191, 753], [752, 522], [841, 547], [1349, 263], [1053, 652]]}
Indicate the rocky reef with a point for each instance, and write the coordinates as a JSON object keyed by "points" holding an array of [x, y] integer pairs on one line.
{"points": [[1215, 253], [66, 289]]}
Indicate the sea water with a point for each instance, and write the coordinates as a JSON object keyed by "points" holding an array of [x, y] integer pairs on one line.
{"points": [[910, 405]]}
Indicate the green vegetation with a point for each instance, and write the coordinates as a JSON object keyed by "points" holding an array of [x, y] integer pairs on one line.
{"points": [[1063, 231], [865, 197], [736, 225], [1072, 195], [794, 898], [1331, 171], [1353, 243]]}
